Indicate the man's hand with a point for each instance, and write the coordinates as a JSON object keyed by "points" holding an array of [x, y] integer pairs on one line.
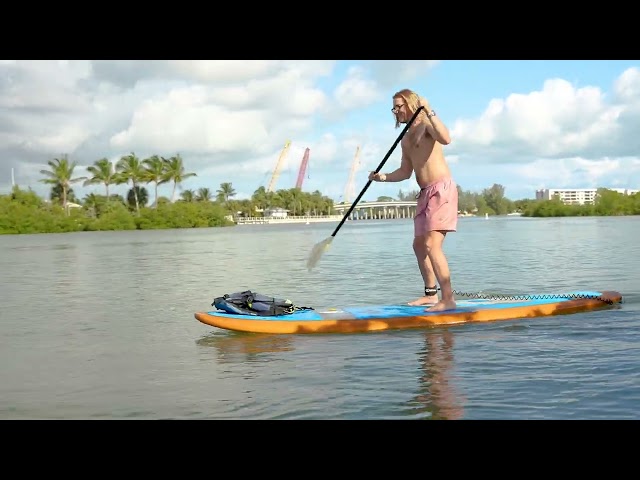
{"points": [[422, 102], [377, 177]]}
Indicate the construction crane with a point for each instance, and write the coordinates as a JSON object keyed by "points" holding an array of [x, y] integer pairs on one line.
{"points": [[349, 190], [276, 172], [303, 169]]}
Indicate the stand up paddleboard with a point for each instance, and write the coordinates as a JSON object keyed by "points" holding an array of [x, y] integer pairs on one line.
{"points": [[400, 316]]}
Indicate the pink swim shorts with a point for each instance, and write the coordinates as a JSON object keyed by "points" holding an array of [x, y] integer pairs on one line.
{"points": [[437, 208]]}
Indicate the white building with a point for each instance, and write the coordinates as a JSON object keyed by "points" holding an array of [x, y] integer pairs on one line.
{"points": [[577, 196], [276, 212]]}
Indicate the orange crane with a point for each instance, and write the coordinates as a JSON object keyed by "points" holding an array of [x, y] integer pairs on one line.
{"points": [[276, 172], [303, 169], [349, 190]]}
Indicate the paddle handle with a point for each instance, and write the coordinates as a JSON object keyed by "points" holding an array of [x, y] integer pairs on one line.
{"points": [[384, 160]]}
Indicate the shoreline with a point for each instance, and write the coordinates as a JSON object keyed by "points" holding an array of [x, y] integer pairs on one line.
{"points": [[301, 219]]}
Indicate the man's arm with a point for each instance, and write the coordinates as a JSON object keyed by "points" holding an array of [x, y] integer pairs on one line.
{"points": [[402, 173], [434, 125]]}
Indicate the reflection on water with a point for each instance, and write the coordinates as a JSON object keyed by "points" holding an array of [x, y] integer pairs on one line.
{"points": [[437, 394], [101, 325], [241, 347]]}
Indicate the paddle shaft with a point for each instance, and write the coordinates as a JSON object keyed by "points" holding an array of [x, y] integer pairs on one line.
{"points": [[384, 160]]}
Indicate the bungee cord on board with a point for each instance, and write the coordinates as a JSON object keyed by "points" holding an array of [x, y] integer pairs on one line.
{"points": [[511, 297]]}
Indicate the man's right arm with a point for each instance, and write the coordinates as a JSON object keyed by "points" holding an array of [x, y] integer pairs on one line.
{"points": [[402, 173]]}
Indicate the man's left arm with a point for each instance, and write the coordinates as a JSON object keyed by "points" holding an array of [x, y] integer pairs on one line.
{"points": [[434, 125]]}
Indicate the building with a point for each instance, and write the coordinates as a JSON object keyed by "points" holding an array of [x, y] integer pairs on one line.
{"points": [[276, 212], [573, 196], [577, 196], [624, 191]]}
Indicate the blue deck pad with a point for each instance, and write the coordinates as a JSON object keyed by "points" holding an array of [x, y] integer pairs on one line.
{"points": [[403, 310]]}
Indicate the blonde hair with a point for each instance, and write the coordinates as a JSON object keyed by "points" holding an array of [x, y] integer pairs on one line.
{"points": [[411, 99]]}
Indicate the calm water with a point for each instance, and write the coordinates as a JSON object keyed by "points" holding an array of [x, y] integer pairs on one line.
{"points": [[100, 325]]}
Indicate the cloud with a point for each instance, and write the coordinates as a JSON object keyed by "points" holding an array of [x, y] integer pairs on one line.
{"points": [[356, 90], [566, 172], [127, 73], [626, 88], [558, 136], [212, 111], [230, 120], [557, 120], [388, 73]]}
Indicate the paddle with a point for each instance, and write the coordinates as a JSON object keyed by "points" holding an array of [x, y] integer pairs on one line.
{"points": [[320, 247]]}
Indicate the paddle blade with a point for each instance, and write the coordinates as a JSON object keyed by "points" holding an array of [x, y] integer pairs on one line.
{"points": [[317, 251]]}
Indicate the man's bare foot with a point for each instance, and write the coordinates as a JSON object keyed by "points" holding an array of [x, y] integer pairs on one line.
{"points": [[426, 300], [442, 306]]}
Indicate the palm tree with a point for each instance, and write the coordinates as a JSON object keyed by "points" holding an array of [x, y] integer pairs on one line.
{"points": [[155, 172], [175, 171], [92, 203], [137, 196], [260, 198], [102, 171], [56, 194], [187, 195], [321, 203], [295, 200], [225, 192], [130, 168], [61, 173], [204, 195]]}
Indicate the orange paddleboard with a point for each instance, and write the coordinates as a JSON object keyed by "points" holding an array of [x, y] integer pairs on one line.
{"points": [[388, 317]]}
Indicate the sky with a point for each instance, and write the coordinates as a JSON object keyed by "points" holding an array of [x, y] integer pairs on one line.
{"points": [[524, 124]]}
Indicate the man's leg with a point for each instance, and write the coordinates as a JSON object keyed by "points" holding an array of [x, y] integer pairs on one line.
{"points": [[426, 270], [435, 239]]}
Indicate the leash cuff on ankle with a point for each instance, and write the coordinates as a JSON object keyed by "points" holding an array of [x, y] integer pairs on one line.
{"points": [[431, 290]]}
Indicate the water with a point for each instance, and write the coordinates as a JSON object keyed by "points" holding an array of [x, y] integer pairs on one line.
{"points": [[100, 325]]}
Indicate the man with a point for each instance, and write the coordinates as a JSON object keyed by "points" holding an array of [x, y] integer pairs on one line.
{"points": [[437, 208]]}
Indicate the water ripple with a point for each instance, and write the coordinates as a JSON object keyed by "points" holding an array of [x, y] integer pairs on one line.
{"points": [[100, 325]]}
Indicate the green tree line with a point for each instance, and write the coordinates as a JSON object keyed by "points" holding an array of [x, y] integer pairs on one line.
{"points": [[607, 203], [493, 201], [23, 211]]}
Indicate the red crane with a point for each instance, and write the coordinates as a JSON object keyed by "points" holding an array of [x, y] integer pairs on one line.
{"points": [[303, 169]]}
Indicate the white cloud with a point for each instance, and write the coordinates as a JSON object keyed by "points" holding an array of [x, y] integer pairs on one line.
{"points": [[182, 122], [559, 120], [32, 87], [564, 171], [356, 90], [560, 136], [230, 119], [627, 87]]}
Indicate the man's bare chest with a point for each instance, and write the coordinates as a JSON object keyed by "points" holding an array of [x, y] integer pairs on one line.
{"points": [[419, 150]]}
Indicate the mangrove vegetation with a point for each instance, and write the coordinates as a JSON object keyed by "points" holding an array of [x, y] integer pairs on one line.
{"points": [[141, 208], [23, 211]]}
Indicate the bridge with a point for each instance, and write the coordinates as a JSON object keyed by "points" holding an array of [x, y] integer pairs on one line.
{"points": [[379, 210]]}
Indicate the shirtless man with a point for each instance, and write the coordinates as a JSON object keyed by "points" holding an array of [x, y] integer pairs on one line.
{"points": [[437, 208]]}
